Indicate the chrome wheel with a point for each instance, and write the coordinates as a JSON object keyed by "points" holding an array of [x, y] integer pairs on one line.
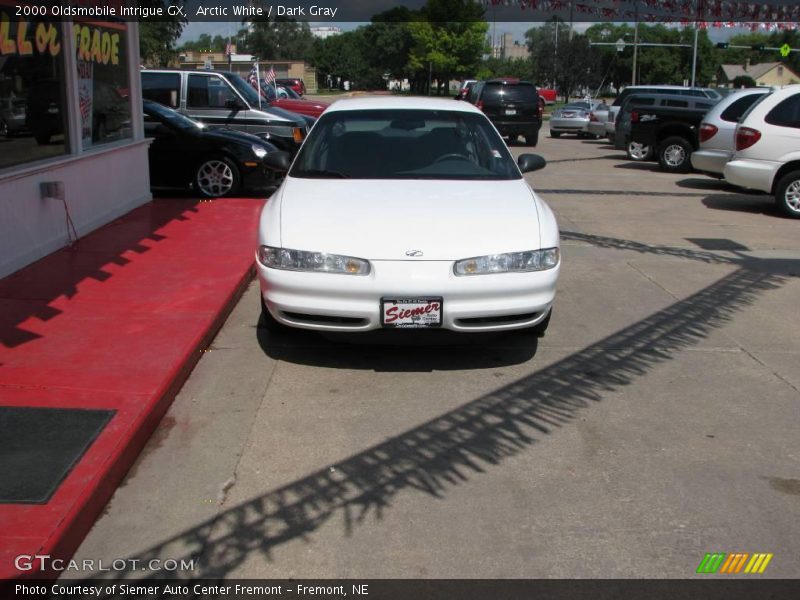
{"points": [[674, 155], [215, 178], [3, 128], [638, 151], [792, 196]]}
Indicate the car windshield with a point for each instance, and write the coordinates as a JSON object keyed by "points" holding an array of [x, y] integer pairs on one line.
{"points": [[289, 92], [577, 106], [169, 117], [247, 91], [404, 144]]}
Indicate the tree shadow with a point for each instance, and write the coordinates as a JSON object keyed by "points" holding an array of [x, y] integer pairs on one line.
{"points": [[456, 446]]}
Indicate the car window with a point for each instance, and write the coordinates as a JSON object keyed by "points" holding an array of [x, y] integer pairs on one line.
{"points": [[163, 88], [738, 107], [786, 113], [494, 93], [404, 144], [208, 91], [637, 101], [705, 105], [676, 103]]}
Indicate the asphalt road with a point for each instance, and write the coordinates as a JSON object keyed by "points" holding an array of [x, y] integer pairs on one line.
{"points": [[655, 422]]}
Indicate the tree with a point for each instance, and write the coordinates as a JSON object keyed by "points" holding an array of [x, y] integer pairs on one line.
{"points": [[282, 38], [744, 81], [157, 39]]}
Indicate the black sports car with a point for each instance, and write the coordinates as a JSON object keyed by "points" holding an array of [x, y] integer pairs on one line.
{"points": [[214, 162]]}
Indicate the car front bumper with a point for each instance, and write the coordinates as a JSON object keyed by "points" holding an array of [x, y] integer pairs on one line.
{"points": [[711, 160], [334, 302], [751, 174]]}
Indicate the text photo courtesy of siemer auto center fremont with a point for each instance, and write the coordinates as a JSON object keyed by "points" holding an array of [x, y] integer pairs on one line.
{"points": [[443, 290]]}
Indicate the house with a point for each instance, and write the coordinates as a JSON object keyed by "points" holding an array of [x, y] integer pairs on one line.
{"points": [[764, 74]]}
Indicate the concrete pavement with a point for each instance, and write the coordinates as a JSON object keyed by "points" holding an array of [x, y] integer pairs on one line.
{"points": [[655, 422]]}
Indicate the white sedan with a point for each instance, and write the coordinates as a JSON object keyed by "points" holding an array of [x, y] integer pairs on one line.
{"points": [[406, 213]]}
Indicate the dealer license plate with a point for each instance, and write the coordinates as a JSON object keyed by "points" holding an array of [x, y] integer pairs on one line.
{"points": [[411, 312], [511, 111]]}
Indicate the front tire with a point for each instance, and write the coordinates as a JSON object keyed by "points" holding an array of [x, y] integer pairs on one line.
{"points": [[217, 177], [787, 194], [555, 134], [674, 155], [532, 140]]}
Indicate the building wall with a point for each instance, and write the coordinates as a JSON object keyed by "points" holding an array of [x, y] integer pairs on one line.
{"points": [[100, 183]]}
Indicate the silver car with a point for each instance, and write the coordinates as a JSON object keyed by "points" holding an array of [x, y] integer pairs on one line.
{"points": [[598, 119], [718, 130], [573, 118]]}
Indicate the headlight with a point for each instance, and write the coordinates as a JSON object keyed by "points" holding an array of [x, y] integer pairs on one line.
{"points": [[259, 151], [512, 262], [300, 260]]}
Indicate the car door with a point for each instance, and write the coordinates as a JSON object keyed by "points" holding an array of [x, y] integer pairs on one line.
{"points": [[171, 155], [211, 100]]}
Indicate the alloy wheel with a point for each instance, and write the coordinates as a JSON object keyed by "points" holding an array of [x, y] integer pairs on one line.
{"points": [[214, 178], [792, 196], [674, 155], [638, 151]]}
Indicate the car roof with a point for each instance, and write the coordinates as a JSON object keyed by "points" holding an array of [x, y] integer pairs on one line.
{"points": [[402, 103]]}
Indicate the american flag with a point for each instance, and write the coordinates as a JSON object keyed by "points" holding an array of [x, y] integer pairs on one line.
{"points": [[253, 77], [269, 77]]}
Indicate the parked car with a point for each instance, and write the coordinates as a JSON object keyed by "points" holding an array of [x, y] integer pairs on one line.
{"points": [[214, 162], [548, 95], [407, 213], [636, 103], [694, 92], [573, 118], [287, 99], [296, 83], [222, 99], [597, 120], [670, 127], [717, 131], [463, 91], [12, 116], [513, 107], [767, 154]]}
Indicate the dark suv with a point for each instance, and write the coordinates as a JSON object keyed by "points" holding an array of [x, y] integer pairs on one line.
{"points": [[512, 106]]}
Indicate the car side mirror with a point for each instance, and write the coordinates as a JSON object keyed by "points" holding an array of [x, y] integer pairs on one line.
{"points": [[278, 161], [530, 162], [233, 104]]}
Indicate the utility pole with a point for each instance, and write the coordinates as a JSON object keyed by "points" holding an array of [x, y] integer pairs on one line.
{"points": [[694, 51], [635, 45]]}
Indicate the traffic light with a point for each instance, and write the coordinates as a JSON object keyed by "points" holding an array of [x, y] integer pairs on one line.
{"points": [[757, 47], [722, 45]]}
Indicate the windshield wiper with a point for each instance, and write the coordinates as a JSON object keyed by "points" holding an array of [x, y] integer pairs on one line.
{"points": [[321, 174]]}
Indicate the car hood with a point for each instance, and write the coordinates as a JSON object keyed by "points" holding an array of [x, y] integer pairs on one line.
{"points": [[295, 105], [232, 135], [385, 219]]}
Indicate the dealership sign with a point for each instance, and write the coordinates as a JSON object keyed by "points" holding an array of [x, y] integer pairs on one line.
{"points": [[92, 44]]}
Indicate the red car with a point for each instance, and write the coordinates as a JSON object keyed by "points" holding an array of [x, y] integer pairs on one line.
{"points": [[297, 84], [287, 99]]}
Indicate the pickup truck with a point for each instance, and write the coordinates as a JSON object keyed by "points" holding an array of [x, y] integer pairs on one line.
{"points": [[671, 130]]}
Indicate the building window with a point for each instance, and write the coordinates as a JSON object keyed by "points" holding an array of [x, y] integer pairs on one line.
{"points": [[103, 82], [33, 108]]}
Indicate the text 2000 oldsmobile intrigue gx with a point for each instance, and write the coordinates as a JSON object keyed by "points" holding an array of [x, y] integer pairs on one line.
{"points": [[406, 213]]}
